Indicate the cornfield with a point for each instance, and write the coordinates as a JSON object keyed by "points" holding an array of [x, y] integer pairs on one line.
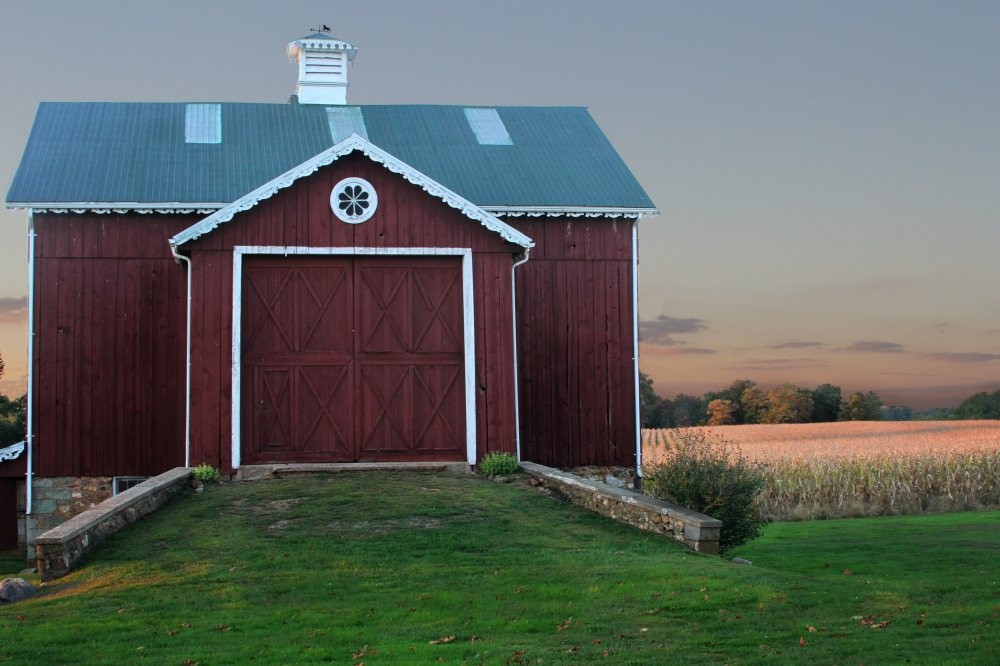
{"points": [[835, 470]]}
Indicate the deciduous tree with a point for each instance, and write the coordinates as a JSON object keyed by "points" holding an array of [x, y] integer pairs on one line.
{"points": [[862, 407], [721, 412]]}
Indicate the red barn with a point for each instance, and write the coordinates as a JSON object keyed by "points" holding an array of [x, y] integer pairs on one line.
{"points": [[244, 284]]}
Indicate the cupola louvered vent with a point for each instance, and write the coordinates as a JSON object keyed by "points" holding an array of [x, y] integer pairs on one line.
{"points": [[323, 66]]}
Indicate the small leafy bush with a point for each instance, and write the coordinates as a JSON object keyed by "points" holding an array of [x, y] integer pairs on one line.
{"points": [[708, 474], [498, 464], [205, 473]]}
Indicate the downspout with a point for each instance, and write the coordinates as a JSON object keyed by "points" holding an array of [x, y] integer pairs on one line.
{"points": [[30, 399], [517, 379], [187, 356], [635, 341]]}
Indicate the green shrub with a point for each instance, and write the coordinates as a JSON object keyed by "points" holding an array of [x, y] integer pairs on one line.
{"points": [[205, 473], [708, 474], [498, 464]]}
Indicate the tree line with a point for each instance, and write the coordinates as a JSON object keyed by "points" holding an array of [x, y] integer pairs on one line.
{"points": [[12, 414], [743, 402]]}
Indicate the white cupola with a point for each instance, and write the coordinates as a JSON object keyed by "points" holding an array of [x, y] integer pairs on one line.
{"points": [[323, 62]]}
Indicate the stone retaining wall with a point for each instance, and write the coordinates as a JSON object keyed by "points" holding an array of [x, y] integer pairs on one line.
{"points": [[697, 531], [59, 550]]}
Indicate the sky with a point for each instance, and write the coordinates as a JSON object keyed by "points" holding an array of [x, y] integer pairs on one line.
{"points": [[828, 173]]}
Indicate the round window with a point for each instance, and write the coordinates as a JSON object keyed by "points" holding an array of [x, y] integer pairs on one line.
{"points": [[353, 200]]}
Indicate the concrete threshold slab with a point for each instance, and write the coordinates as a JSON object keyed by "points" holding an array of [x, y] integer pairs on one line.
{"points": [[280, 470]]}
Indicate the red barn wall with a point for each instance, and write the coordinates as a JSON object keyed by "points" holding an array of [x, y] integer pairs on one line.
{"points": [[575, 342], [108, 367], [300, 216]]}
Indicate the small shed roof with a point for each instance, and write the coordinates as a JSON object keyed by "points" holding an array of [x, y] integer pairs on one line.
{"points": [[207, 155]]}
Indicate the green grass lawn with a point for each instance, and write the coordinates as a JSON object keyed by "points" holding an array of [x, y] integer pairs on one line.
{"points": [[409, 567]]}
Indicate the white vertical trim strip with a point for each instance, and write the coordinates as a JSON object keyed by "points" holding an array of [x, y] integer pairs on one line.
{"points": [[635, 342], [468, 307], [517, 377], [29, 417], [469, 312], [237, 396]]}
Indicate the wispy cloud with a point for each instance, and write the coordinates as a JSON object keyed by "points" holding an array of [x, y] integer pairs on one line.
{"points": [[963, 357], [661, 330], [874, 346], [13, 309], [685, 351], [796, 344], [661, 350], [779, 364]]}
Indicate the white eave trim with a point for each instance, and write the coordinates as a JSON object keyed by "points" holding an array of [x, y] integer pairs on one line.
{"points": [[570, 211], [332, 154], [12, 452], [117, 207]]}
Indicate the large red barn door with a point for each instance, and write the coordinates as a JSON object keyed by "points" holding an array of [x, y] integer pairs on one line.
{"points": [[347, 359]]}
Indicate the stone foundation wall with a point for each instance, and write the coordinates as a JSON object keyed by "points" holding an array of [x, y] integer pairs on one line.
{"points": [[60, 549], [56, 499], [695, 530]]}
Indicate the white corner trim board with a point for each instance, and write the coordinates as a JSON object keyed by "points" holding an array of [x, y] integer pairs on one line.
{"points": [[468, 312], [332, 154]]}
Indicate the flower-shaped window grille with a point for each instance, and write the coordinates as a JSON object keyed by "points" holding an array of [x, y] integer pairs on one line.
{"points": [[353, 200]]}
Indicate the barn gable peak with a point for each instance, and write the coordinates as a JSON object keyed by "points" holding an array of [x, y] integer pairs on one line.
{"points": [[323, 65], [331, 155]]}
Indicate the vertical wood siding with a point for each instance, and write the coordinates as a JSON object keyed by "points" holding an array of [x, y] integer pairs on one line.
{"points": [[301, 216], [109, 347], [575, 357]]}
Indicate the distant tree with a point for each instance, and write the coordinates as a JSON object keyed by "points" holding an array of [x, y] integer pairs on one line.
{"points": [[788, 404], [686, 411], [734, 394], [862, 407], [721, 412], [895, 413], [649, 403], [754, 403], [826, 403], [12, 414], [980, 406]]}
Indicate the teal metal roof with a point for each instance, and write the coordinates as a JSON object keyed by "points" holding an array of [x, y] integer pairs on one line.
{"points": [[137, 153]]}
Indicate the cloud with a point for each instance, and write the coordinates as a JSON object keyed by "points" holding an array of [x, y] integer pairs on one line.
{"points": [[660, 331], [660, 350], [795, 344], [874, 346], [779, 364], [13, 310], [687, 351], [963, 357]]}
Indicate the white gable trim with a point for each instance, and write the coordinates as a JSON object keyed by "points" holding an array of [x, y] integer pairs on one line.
{"points": [[468, 313], [332, 154]]}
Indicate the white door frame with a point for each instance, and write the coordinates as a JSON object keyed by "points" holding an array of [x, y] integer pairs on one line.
{"points": [[468, 310]]}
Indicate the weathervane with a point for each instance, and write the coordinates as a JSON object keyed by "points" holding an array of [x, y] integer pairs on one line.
{"points": [[325, 28]]}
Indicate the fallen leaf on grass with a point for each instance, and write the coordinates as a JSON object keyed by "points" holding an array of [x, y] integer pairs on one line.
{"points": [[222, 627], [848, 572], [871, 621], [811, 629], [442, 640], [802, 642], [360, 653], [565, 625]]}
